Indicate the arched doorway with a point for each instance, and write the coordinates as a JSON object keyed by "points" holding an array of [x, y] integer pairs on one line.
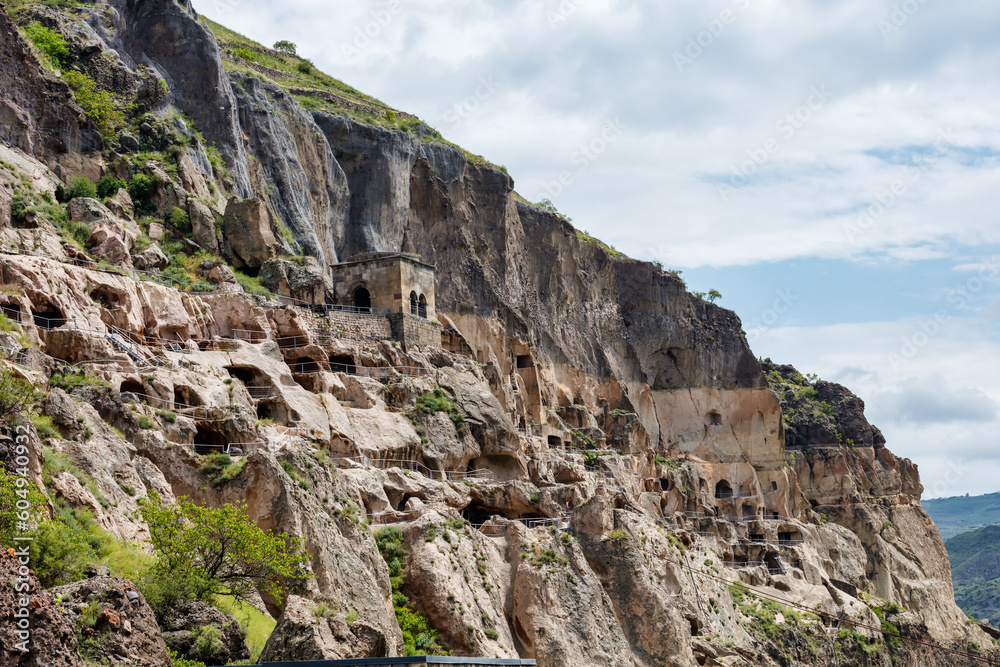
{"points": [[362, 300], [723, 490], [413, 303]]}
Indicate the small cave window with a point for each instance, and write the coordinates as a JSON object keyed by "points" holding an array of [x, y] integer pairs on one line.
{"points": [[713, 418], [105, 298], [665, 484], [343, 364], [774, 486], [413, 303], [132, 387], [186, 396], [245, 375], [209, 441], [422, 307], [362, 299], [555, 441], [756, 537], [723, 489], [47, 316], [524, 361], [266, 410], [749, 513]]}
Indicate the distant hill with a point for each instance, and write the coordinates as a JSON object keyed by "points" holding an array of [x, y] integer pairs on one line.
{"points": [[963, 513], [975, 571]]}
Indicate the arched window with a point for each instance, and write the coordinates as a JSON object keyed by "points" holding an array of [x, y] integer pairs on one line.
{"points": [[422, 307], [362, 300], [413, 303], [723, 490]]}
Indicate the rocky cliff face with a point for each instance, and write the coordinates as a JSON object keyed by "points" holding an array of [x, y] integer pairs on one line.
{"points": [[591, 469]]}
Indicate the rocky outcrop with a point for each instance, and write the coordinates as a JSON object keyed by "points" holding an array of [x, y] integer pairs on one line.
{"points": [[305, 281], [37, 113], [117, 625], [247, 230], [183, 626], [48, 636], [311, 193], [166, 36]]}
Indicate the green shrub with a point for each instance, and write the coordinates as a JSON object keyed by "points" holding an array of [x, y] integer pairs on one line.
{"points": [[49, 42], [180, 219], [208, 646], [15, 395], [180, 661], [97, 103], [661, 461], [109, 185], [55, 463], [221, 469], [80, 187], [71, 381], [140, 188], [10, 494], [618, 534], [491, 633], [44, 426], [304, 67], [146, 424], [222, 551], [168, 417], [246, 54], [60, 553], [418, 637]]}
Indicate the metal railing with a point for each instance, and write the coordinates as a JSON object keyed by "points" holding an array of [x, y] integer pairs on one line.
{"points": [[385, 518], [735, 495], [491, 529], [251, 337], [259, 393], [202, 412], [199, 287], [790, 543], [561, 522], [375, 372], [11, 313]]}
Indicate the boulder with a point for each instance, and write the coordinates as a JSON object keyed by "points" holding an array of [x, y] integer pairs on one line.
{"points": [[203, 225], [125, 631], [246, 226], [53, 636], [217, 273], [127, 143], [305, 281], [91, 212], [304, 634], [156, 231], [183, 626], [121, 205], [151, 259]]}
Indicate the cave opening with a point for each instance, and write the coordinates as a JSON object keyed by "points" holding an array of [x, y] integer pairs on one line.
{"points": [[723, 490], [524, 361], [47, 316], [185, 396], [343, 363], [132, 387], [208, 440]]}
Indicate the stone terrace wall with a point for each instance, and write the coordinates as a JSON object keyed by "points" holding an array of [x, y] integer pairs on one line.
{"points": [[414, 330], [356, 326]]}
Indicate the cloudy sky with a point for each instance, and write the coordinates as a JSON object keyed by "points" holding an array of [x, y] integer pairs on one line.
{"points": [[831, 166]]}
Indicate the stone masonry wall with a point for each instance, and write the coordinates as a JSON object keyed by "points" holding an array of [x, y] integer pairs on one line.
{"points": [[357, 326]]}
